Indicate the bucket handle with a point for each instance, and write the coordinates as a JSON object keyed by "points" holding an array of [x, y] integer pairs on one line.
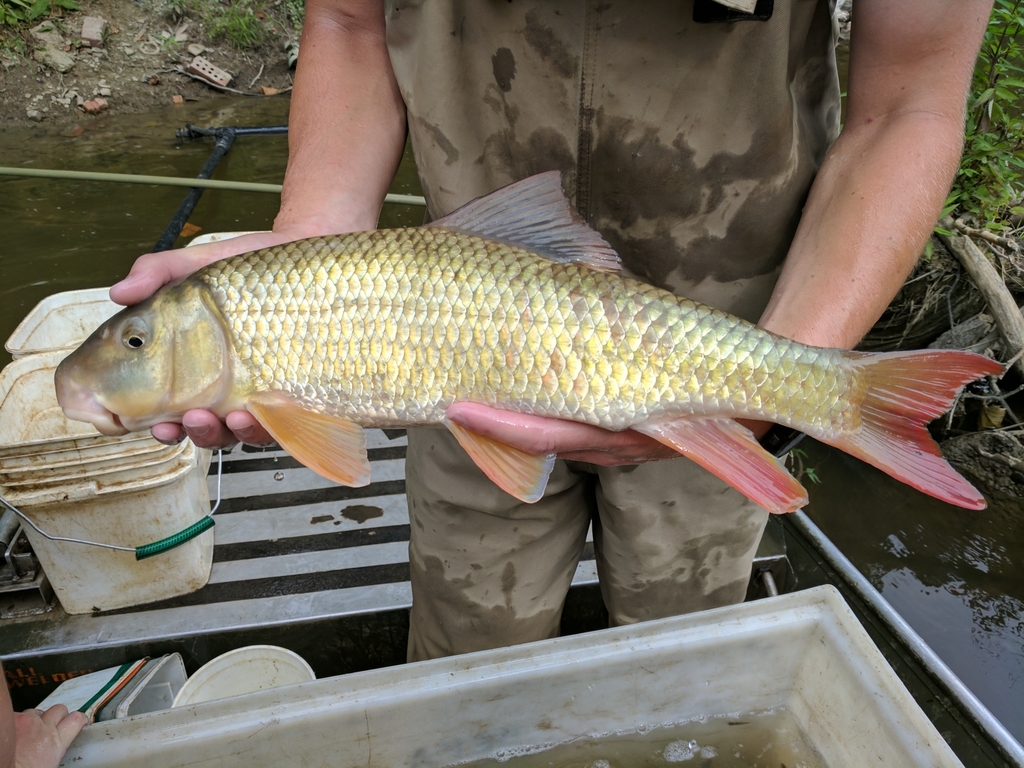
{"points": [[146, 550]]}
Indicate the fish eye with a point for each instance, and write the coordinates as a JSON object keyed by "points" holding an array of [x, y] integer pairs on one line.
{"points": [[135, 333]]}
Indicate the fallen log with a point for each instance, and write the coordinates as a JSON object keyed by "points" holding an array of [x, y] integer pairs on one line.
{"points": [[1004, 310]]}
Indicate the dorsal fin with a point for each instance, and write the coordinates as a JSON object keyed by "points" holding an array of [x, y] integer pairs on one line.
{"points": [[535, 214]]}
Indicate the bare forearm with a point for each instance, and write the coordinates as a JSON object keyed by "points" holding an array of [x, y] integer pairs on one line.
{"points": [[347, 121], [868, 216], [882, 185]]}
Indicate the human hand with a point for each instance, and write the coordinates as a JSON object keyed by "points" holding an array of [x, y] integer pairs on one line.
{"points": [[153, 270], [207, 430], [570, 440], [42, 738]]}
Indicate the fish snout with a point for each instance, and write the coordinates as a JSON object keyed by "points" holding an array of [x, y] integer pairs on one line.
{"points": [[80, 404]]}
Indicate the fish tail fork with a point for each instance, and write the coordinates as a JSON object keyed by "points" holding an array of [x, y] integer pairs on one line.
{"points": [[905, 391]]}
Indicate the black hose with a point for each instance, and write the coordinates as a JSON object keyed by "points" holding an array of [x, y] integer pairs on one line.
{"points": [[194, 131], [225, 138]]}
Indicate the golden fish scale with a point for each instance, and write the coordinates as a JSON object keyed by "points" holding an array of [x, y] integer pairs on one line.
{"points": [[391, 327]]}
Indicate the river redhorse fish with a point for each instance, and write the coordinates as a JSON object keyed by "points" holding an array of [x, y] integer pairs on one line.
{"points": [[511, 301]]}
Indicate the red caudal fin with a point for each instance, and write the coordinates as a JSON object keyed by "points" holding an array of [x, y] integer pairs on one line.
{"points": [[905, 391]]}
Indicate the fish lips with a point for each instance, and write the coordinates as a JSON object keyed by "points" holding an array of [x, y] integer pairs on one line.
{"points": [[79, 404]]}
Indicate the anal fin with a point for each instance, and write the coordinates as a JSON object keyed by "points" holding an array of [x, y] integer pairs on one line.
{"points": [[520, 474], [729, 451], [332, 447]]}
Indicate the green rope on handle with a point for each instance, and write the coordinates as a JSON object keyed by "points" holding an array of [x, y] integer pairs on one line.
{"points": [[148, 550]]}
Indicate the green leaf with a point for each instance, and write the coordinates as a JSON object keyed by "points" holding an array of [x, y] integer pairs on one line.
{"points": [[941, 231], [984, 97], [38, 9]]}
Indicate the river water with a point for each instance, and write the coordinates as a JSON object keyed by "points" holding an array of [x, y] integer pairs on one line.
{"points": [[956, 576], [65, 235]]}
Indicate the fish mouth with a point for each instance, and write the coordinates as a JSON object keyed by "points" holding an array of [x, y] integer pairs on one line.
{"points": [[79, 404]]}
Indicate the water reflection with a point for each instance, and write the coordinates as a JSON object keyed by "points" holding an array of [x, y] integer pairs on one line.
{"points": [[954, 575]]}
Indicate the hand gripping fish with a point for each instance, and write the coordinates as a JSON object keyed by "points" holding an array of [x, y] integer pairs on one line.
{"points": [[511, 301]]}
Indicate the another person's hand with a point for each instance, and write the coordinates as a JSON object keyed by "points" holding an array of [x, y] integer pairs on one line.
{"points": [[42, 738]]}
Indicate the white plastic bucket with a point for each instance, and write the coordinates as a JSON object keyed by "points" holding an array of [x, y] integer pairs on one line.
{"points": [[64, 465], [130, 513], [244, 670], [61, 321], [33, 424], [127, 467]]}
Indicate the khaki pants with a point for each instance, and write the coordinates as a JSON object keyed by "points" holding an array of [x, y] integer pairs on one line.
{"points": [[489, 571]]}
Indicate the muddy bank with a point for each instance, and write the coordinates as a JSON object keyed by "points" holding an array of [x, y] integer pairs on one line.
{"points": [[50, 75], [994, 459]]}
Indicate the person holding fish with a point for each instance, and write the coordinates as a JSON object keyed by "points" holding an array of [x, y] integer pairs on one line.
{"points": [[701, 140]]}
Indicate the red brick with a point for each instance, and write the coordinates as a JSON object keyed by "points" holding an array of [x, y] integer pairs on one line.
{"points": [[207, 71]]}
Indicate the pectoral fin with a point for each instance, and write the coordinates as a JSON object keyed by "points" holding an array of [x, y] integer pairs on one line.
{"points": [[520, 474], [332, 447], [729, 451]]}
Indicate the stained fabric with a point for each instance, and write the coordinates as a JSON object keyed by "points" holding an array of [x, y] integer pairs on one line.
{"points": [[689, 146]]}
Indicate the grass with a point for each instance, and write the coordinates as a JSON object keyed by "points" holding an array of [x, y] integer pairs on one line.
{"points": [[15, 12], [296, 10], [242, 24]]}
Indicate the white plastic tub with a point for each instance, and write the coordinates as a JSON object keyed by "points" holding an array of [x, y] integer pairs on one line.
{"points": [[65, 465], [244, 670], [61, 321], [33, 424], [804, 652], [70, 485], [129, 513]]}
